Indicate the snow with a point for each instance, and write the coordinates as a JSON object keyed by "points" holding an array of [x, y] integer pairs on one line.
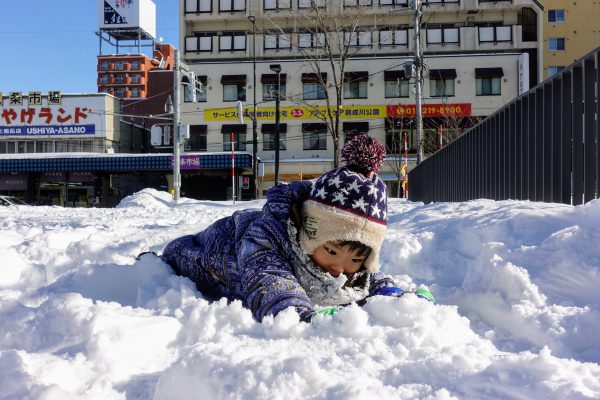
{"points": [[517, 314]]}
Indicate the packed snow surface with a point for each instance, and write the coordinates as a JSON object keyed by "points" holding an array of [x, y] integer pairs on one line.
{"points": [[517, 285]]}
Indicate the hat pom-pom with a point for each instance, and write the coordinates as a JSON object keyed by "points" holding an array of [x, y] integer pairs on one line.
{"points": [[364, 154]]}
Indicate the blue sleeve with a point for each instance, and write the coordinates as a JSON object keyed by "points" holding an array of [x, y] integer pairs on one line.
{"points": [[268, 283], [181, 255]]}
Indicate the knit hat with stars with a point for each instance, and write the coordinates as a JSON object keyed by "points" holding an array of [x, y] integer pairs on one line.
{"points": [[349, 203]]}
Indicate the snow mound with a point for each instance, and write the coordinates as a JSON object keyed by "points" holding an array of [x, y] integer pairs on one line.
{"points": [[151, 199]]}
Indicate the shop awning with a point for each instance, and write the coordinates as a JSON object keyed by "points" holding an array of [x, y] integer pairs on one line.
{"points": [[356, 127], [393, 75], [442, 74], [489, 73], [233, 79], [270, 128], [316, 127], [233, 128], [313, 78], [272, 78], [356, 76]]}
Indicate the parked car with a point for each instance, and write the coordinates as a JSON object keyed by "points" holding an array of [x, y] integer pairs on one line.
{"points": [[11, 201]]}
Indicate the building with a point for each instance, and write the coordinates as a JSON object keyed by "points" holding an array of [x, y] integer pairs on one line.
{"points": [[571, 30], [127, 76], [479, 54]]}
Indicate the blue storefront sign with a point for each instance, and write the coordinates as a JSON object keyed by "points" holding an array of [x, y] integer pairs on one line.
{"points": [[47, 130]]}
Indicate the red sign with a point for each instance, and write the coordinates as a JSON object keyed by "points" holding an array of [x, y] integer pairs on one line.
{"points": [[296, 112], [429, 110]]}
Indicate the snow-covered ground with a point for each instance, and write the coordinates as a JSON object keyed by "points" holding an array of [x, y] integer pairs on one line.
{"points": [[517, 284]]}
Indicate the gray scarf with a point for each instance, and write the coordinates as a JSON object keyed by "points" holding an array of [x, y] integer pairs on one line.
{"points": [[322, 288]]}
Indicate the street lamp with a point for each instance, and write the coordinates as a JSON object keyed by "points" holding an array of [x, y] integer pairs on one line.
{"points": [[252, 19], [277, 69]]}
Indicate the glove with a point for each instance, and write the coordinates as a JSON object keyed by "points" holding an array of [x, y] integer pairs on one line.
{"points": [[389, 291], [425, 294], [327, 311]]}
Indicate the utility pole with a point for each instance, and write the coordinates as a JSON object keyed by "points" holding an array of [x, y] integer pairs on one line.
{"points": [[418, 63], [176, 117]]}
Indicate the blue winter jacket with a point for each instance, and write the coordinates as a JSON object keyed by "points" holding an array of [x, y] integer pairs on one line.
{"points": [[247, 257]]}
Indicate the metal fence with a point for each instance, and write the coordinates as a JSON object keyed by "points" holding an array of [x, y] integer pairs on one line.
{"points": [[543, 146]]}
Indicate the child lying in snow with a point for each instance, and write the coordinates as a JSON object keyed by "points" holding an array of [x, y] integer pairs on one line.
{"points": [[313, 244]]}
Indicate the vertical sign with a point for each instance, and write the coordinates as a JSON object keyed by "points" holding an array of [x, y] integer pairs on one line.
{"points": [[523, 64]]}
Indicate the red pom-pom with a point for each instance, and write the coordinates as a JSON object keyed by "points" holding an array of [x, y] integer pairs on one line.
{"points": [[364, 153]]}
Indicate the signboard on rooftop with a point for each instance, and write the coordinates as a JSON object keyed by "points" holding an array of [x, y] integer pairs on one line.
{"points": [[128, 15]]}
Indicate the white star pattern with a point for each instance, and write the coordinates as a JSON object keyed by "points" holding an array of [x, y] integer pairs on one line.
{"points": [[339, 196], [373, 190], [375, 211], [335, 181], [360, 203], [321, 193], [354, 186], [384, 215]]}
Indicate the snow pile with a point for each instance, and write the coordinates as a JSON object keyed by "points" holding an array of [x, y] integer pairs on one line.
{"points": [[516, 284]]}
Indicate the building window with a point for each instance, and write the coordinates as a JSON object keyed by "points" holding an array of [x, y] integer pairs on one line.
{"points": [[311, 39], [188, 95], [239, 137], [277, 42], [232, 5], [232, 41], [135, 92], [277, 4], [442, 82], [553, 70], [269, 84], [268, 132], [135, 79], [104, 66], [314, 136], [488, 81], [352, 129], [357, 3], [393, 37], [198, 6], [556, 15], [197, 141], [396, 85], [358, 38], [119, 65], [311, 4], [135, 65], [488, 86], [495, 34], [403, 3], [356, 85], [104, 79], [442, 2], [441, 34], [556, 44], [120, 78], [120, 92], [234, 87], [313, 86], [200, 42]]}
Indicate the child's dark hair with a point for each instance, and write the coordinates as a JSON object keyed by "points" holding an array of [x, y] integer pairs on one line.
{"points": [[360, 248]]}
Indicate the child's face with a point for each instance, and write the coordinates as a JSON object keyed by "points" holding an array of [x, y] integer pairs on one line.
{"points": [[333, 258]]}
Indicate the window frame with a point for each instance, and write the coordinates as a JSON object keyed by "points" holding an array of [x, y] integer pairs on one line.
{"points": [[239, 139], [556, 41], [277, 7], [479, 86], [233, 4], [318, 89], [277, 37], [313, 3], [356, 86], [445, 94], [233, 35], [443, 29], [394, 37], [320, 143], [240, 90], [495, 34], [198, 9], [556, 12], [400, 84]]}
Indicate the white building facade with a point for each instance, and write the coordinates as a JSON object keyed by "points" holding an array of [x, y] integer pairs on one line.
{"points": [[478, 55]]}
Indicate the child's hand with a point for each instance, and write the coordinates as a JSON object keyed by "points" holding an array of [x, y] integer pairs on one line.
{"points": [[327, 311], [425, 294]]}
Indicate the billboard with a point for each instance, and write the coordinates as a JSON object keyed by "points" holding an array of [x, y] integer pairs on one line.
{"points": [[128, 14], [72, 116]]}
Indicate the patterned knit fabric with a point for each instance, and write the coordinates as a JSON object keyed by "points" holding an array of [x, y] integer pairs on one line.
{"points": [[249, 257]]}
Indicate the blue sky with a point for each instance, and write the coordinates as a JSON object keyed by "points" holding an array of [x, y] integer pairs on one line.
{"points": [[52, 45]]}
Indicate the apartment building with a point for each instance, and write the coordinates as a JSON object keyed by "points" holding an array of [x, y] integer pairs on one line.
{"points": [[571, 30], [478, 55], [127, 76]]}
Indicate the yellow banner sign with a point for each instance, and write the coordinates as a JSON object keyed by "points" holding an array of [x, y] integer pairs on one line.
{"points": [[296, 113]]}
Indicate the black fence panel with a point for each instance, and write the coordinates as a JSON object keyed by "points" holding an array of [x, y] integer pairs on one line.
{"points": [[543, 146]]}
